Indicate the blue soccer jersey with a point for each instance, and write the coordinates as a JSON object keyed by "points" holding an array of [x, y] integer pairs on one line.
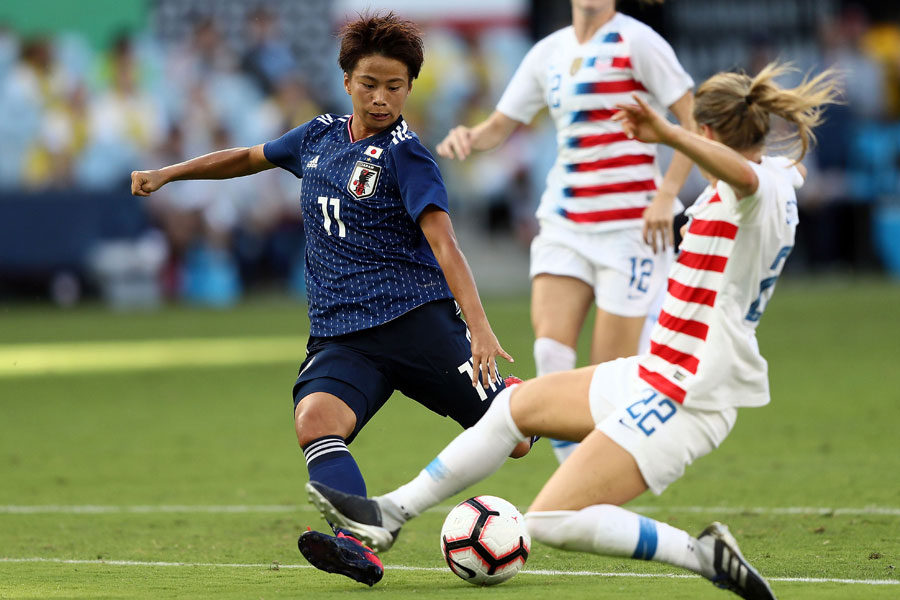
{"points": [[367, 260]]}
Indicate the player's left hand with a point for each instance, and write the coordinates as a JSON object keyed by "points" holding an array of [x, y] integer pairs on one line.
{"points": [[658, 223], [485, 350]]}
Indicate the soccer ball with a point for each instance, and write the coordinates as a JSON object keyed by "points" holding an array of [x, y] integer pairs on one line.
{"points": [[484, 540]]}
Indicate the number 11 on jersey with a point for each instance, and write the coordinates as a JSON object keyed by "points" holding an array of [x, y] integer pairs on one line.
{"points": [[335, 204]]}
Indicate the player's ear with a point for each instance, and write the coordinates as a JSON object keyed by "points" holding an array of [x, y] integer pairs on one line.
{"points": [[347, 83], [409, 87]]}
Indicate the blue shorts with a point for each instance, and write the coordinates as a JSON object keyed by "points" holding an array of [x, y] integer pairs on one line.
{"points": [[425, 354]]}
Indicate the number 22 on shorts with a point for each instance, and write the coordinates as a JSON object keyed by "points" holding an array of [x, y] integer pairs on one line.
{"points": [[652, 410]]}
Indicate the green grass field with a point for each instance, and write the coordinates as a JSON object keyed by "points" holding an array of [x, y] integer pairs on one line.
{"points": [[152, 455]]}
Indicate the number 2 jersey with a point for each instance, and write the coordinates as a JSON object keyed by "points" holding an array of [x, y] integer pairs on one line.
{"points": [[601, 179], [703, 350], [367, 260]]}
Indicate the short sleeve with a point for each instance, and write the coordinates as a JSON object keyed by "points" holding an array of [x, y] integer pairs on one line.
{"points": [[776, 177], [418, 177], [793, 173], [748, 207], [524, 96], [286, 151], [657, 67]]}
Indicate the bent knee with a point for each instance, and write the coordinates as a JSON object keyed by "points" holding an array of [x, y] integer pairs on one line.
{"points": [[321, 414]]}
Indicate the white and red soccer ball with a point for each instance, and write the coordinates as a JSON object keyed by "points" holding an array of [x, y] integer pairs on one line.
{"points": [[484, 540]]}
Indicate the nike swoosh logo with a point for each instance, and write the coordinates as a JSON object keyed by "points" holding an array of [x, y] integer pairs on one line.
{"points": [[626, 425], [308, 365]]}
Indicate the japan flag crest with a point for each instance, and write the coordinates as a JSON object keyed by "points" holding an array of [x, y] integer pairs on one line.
{"points": [[363, 179]]}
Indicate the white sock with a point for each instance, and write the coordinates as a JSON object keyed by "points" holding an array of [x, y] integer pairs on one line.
{"points": [[615, 531], [470, 457], [562, 449], [551, 356]]}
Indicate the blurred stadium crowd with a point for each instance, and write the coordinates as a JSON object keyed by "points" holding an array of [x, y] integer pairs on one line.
{"points": [[77, 119]]}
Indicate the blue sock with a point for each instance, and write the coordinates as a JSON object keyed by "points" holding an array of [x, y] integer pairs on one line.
{"points": [[330, 462]]}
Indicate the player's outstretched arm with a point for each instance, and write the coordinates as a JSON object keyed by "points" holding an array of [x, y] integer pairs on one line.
{"points": [[488, 134], [658, 216], [438, 230], [642, 122], [224, 164]]}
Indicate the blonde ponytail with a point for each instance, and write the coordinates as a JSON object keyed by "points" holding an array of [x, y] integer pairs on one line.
{"points": [[739, 108]]}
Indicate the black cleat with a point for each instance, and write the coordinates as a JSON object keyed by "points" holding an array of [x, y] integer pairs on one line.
{"points": [[356, 514], [343, 554], [732, 571]]}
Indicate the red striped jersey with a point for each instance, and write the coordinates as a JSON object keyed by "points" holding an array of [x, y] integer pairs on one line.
{"points": [[601, 180], [703, 350]]}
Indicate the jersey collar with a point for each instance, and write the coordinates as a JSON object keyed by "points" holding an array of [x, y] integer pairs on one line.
{"points": [[348, 136]]}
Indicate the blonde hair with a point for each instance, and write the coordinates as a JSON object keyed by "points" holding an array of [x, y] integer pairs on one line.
{"points": [[739, 108]]}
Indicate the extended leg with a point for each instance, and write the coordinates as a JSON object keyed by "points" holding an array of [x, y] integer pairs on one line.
{"points": [[554, 405], [577, 510]]}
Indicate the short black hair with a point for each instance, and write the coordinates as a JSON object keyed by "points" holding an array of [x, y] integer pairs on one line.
{"points": [[384, 34]]}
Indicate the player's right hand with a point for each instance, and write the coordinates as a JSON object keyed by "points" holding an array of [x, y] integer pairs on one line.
{"points": [[485, 350], [144, 183], [640, 121], [457, 144]]}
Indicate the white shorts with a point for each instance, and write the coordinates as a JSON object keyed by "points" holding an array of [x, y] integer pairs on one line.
{"points": [[663, 436], [622, 269]]}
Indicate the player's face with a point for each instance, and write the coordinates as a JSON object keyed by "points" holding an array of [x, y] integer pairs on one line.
{"points": [[378, 88]]}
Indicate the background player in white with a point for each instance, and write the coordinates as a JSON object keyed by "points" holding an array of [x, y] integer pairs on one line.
{"points": [[606, 215], [642, 420]]}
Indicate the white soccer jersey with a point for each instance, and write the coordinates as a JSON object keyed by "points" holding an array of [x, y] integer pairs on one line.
{"points": [[601, 180], [703, 350]]}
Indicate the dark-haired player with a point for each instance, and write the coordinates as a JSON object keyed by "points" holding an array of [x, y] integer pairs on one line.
{"points": [[383, 269]]}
